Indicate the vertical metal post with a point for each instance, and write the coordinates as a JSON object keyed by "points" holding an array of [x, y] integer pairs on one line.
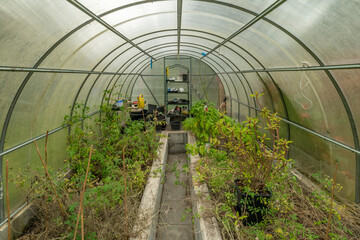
{"points": [[190, 84], [165, 87]]}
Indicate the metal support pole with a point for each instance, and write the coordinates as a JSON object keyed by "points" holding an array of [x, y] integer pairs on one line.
{"points": [[150, 90], [54, 70], [306, 130], [179, 14], [249, 24], [105, 24], [207, 87]]}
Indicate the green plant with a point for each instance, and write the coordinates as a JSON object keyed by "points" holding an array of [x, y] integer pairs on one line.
{"points": [[257, 164]]}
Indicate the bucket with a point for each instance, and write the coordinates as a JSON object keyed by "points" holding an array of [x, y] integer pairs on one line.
{"points": [[175, 125]]}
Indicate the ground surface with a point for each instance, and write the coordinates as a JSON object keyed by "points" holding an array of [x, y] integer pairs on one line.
{"points": [[175, 218]]}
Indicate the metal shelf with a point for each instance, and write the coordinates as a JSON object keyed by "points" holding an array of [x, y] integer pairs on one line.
{"points": [[178, 92]]}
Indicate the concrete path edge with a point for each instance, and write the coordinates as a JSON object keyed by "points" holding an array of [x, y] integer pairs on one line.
{"points": [[205, 225], [145, 227]]}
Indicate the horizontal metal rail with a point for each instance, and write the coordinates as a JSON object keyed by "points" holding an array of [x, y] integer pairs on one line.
{"points": [[294, 69], [305, 129], [41, 136], [55, 70]]}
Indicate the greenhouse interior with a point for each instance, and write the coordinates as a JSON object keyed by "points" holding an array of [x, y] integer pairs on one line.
{"points": [[186, 119]]}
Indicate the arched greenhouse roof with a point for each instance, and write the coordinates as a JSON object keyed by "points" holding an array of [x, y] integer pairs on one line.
{"points": [[304, 55]]}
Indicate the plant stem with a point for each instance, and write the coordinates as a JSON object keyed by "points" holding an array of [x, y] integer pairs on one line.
{"points": [[81, 201], [51, 182], [7, 199], [125, 193], [331, 204]]}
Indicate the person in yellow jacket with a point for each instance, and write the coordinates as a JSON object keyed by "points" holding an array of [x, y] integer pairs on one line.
{"points": [[141, 101]]}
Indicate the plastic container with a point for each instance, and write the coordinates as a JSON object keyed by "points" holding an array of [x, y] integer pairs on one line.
{"points": [[175, 125], [138, 115]]}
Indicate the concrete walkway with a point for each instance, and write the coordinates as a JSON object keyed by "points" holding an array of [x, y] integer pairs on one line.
{"points": [[175, 218]]}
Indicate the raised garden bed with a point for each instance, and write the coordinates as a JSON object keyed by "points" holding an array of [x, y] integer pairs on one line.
{"points": [[295, 210]]}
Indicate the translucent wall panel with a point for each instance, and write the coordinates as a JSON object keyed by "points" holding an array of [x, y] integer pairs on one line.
{"points": [[349, 83], [27, 157], [84, 49], [98, 8], [97, 92], [314, 155], [252, 5], [157, 45], [9, 84], [42, 105], [322, 25], [202, 15], [30, 28], [156, 85], [202, 33], [312, 102], [86, 88]]}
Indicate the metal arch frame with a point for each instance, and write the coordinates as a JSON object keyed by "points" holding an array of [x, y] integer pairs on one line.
{"points": [[342, 97], [233, 64], [268, 10], [191, 56], [28, 76], [105, 24], [195, 56], [126, 78], [210, 40], [208, 64], [202, 47], [332, 79], [142, 70]]}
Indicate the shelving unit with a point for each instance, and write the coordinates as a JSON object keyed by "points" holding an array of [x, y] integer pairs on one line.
{"points": [[176, 98]]}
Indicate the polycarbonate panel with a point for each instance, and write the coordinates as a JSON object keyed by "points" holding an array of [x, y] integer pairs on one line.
{"points": [[156, 85], [84, 49], [9, 84], [29, 28], [256, 6], [150, 45], [97, 92], [202, 33], [196, 13], [156, 69], [86, 88], [242, 57], [121, 62], [349, 83], [208, 17], [187, 39], [139, 19], [329, 28], [312, 102], [316, 156], [106, 62], [42, 105], [270, 46], [149, 36], [27, 157], [105, 6]]}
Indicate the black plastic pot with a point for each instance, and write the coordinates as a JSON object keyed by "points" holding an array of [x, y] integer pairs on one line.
{"points": [[161, 126], [255, 205], [177, 118], [175, 125], [138, 115]]}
